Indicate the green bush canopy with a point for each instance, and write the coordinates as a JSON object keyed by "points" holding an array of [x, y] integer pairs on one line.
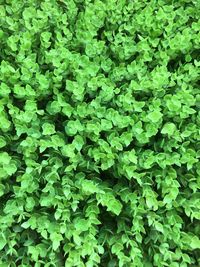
{"points": [[99, 133]]}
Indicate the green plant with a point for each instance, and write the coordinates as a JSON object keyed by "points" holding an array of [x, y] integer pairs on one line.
{"points": [[99, 133]]}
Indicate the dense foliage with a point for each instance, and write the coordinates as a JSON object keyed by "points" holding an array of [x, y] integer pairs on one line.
{"points": [[99, 133]]}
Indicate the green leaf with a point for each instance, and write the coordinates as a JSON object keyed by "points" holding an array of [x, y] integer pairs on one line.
{"points": [[195, 243], [48, 128], [89, 187], [2, 241], [155, 116], [111, 203], [2, 142], [81, 225], [4, 158], [56, 239], [4, 90], [132, 157], [168, 128], [158, 226]]}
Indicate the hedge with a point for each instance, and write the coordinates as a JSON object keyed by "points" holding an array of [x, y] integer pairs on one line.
{"points": [[99, 133]]}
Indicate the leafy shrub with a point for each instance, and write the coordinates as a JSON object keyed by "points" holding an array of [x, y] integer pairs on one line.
{"points": [[99, 133]]}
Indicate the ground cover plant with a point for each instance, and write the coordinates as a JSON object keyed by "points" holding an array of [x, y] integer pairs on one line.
{"points": [[99, 133]]}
